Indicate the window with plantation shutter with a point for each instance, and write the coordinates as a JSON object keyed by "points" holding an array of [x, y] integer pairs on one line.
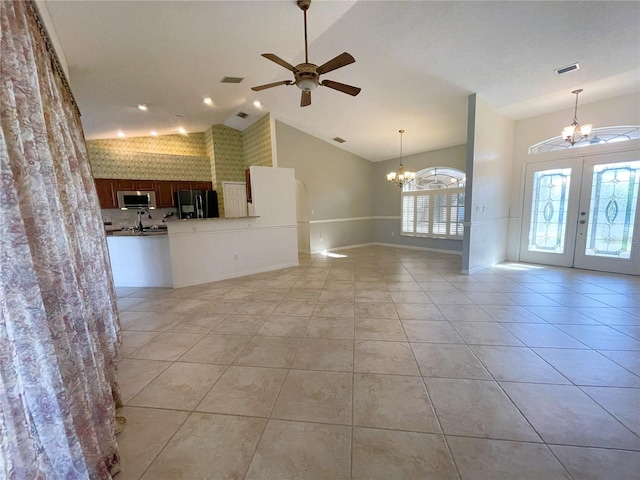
{"points": [[433, 205]]}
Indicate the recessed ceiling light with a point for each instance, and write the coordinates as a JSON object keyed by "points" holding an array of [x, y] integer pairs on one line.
{"points": [[143, 107], [182, 131], [208, 101], [121, 134], [154, 133], [257, 104]]}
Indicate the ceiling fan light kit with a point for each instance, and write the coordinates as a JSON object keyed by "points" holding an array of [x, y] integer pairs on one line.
{"points": [[307, 75]]}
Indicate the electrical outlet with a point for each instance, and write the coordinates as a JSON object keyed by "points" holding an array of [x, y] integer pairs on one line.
{"points": [[393, 234], [235, 257]]}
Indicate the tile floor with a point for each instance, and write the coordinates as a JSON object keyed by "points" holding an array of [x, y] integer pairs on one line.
{"points": [[385, 363]]}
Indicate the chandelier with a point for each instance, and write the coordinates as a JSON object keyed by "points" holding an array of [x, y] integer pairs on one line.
{"points": [[576, 132], [401, 177]]}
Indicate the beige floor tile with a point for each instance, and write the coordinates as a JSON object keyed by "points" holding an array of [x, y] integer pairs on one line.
{"points": [[310, 296], [128, 303], [392, 402], [502, 460], [384, 357], [216, 349], [167, 346], [376, 310], [601, 337], [628, 359], [245, 391], [157, 322], [451, 361], [129, 318], [622, 403], [133, 340], [179, 387], [596, 463], [330, 327], [411, 311], [330, 309], [280, 326], [431, 331], [477, 408], [541, 335], [197, 323], [134, 375], [268, 352], [256, 307], [565, 415], [449, 298], [465, 313], [511, 314], [517, 364], [324, 354], [587, 367], [368, 296], [486, 333], [342, 296], [315, 397], [302, 451], [295, 307], [146, 433], [379, 329], [385, 454], [240, 325], [410, 297], [208, 447]]}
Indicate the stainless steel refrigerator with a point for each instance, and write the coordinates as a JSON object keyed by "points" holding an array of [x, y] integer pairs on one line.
{"points": [[197, 204]]}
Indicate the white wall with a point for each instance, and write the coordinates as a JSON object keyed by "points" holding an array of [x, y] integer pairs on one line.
{"points": [[141, 261], [622, 110], [489, 161], [208, 250]]}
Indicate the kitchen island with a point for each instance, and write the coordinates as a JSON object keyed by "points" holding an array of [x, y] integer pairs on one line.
{"points": [[198, 251]]}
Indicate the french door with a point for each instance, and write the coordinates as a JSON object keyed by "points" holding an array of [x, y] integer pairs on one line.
{"points": [[583, 213]]}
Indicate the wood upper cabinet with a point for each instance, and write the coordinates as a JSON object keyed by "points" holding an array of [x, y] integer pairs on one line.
{"points": [[201, 186], [164, 193], [106, 189]]}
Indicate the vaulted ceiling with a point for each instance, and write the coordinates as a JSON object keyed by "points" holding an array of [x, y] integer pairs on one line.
{"points": [[416, 62]]}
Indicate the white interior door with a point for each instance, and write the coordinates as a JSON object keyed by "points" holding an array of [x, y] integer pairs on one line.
{"points": [[235, 199], [583, 213]]}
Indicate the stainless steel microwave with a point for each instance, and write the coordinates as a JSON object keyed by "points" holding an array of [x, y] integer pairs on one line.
{"points": [[136, 199]]}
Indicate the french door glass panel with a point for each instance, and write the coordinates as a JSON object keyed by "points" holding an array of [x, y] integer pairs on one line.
{"points": [[549, 210], [614, 196]]}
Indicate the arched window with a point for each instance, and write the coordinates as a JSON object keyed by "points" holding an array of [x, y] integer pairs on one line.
{"points": [[433, 205], [597, 136]]}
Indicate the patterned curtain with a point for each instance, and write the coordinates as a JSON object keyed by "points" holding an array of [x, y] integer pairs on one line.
{"points": [[59, 331]]}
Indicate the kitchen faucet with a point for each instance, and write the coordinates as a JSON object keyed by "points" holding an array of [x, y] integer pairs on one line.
{"points": [[139, 226]]}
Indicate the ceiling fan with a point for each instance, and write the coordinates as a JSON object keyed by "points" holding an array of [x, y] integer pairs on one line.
{"points": [[306, 75]]}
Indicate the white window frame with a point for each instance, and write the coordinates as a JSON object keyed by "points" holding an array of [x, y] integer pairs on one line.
{"points": [[419, 218]]}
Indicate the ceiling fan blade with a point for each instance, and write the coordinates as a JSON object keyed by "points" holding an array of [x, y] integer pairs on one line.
{"points": [[279, 61], [269, 85], [305, 100], [341, 87], [335, 63]]}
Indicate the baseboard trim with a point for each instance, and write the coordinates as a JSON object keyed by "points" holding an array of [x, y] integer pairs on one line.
{"points": [[408, 247]]}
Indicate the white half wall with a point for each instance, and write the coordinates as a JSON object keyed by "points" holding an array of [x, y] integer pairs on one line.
{"points": [[140, 261], [489, 161], [209, 250]]}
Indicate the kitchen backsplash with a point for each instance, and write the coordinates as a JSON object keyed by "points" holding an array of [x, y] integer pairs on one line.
{"points": [[128, 218]]}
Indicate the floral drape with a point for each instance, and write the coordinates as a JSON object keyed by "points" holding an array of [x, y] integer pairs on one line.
{"points": [[59, 331]]}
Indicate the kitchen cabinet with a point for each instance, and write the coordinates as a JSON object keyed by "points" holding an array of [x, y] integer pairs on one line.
{"points": [[165, 189], [106, 189], [164, 194]]}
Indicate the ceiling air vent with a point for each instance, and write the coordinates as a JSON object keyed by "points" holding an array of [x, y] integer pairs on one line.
{"points": [[339, 140], [567, 69], [242, 115], [231, 79]]}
